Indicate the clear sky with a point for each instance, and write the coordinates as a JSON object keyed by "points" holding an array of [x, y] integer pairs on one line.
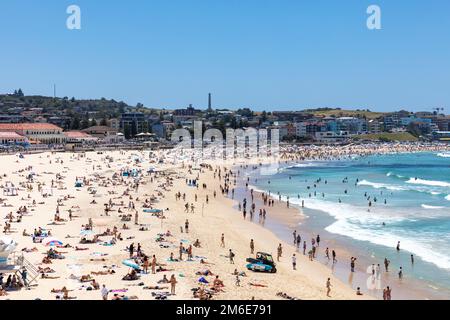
{"points": [[278, 54]]}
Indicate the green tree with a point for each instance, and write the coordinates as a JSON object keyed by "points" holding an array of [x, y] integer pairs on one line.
{"points": [[127, 131], [85, 123]]}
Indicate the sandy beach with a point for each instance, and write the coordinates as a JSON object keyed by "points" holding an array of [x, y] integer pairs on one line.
{"points": [[101, 179]]}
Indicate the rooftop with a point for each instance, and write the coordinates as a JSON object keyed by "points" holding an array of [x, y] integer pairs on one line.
{"points": [[28, 126], [10, 135]]}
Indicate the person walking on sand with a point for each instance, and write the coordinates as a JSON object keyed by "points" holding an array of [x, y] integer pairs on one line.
{"points": [[252, 246], [279, 252], [222, 240], [104, 293], [146, 264], [131, 249], [328, 287], [181, 251], [387, 293], [154, 264], [173, 282], [398, 246], [186, 226], [294, 262], [24, 276], [333, 254], [386, 264], [231, 256], [400, 273]]}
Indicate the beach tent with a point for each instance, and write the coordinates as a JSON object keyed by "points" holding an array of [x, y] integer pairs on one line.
{"points": [[7, 246], [11, 192]]}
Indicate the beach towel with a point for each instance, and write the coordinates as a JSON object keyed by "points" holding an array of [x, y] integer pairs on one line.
{"points": [[203, 280]]}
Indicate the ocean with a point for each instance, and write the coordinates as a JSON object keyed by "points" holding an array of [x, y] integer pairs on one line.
{"points": [[372, 202]]}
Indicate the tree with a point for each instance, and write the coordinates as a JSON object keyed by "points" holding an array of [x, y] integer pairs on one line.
{"points": [[104, 122], [93, 123], [75, 125], [20, 93], [127, 131], [85, 123], [414, 129]]}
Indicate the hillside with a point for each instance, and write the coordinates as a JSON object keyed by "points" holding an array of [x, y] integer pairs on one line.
{"points": [[346, 113], [386, 136]]}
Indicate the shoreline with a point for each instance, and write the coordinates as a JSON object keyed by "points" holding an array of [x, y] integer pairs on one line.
{"points": [[347, 247], [206, 224]]}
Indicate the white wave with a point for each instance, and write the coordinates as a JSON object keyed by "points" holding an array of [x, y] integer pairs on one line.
{"points": [[429, 182], [447, 197], [444, 155], [357, 223], [381, 185], [385, 238], [425, 206], [393, 174]]}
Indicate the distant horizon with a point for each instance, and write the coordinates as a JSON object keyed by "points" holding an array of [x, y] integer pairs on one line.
{"points": [[283, 55], [204, 108]]}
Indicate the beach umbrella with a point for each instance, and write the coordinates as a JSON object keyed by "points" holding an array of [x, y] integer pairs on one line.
{"points": [[52, 242], [7, 245], [131, 264], [86, 233]]}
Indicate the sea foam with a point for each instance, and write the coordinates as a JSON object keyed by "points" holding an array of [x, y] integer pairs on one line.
{"points": [[429, 182]]}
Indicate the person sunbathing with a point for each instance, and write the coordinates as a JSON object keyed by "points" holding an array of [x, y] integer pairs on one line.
{"points": [[206, 272], [131, 276], [60, 290], [102, 273], [197, 244], [46, 270], [218, 284], [46, 276], [164, 279], [86, 278], [161, 269], [46, 260], [95, 285]]}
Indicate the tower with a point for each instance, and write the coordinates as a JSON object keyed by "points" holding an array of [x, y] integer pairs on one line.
{"points": [[209, 103]]}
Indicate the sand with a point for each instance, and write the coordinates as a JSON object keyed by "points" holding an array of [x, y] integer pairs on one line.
{"points": [[207, 224]]}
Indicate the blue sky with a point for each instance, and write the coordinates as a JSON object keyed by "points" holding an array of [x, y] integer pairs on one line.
{"points": [[279, 54]]}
